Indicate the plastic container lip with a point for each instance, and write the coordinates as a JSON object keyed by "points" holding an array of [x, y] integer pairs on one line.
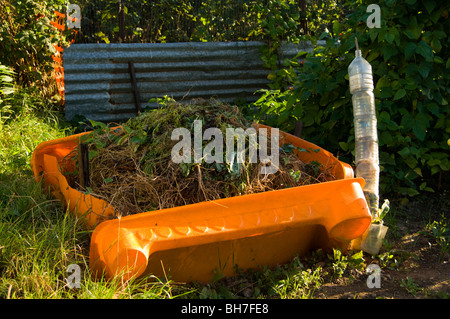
{"points": [[244, 217], [350, 228]]}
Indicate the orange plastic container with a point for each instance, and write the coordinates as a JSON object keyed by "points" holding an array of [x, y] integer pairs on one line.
{"points": [[194, 242]]}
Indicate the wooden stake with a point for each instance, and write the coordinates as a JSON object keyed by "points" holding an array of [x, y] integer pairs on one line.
{"points": [[83, 164]]}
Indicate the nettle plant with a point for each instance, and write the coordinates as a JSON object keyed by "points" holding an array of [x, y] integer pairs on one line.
{"points": [[410, 60]]}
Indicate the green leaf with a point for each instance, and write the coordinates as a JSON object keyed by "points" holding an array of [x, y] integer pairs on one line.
{"points": [[384, 116], [386, 92], [438, 59], [383, 82], [386, 158], [308, 120], [186, 168], [419, 131], [92, 154], [433, 108], [444, 164], [139, 138], [412, 69], [372, 56], [291, 100], [438, 34], [97, 124], [407, 121], [424, 187], [425, 50], [411, 192], [399, 94], [411, 162], [337, 28], [429, 5], [301, 54], [418, 171], [422, 119], [373, 33], [108, 180], [434, 170], [404, 152], [127, 128], [287, 148], [424, 69], [283, 117], [386, 138], [433, 162], [389, 37], [357, 258], [389, 51], [436, 45], [410, 49], [435, 16], [413, 32], [344, 146]]}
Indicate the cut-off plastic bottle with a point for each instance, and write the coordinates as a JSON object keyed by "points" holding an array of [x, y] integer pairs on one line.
{"points": [[365, 125]]}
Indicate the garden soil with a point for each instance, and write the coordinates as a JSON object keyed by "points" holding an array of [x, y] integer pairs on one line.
{"points": [[421, 270]]}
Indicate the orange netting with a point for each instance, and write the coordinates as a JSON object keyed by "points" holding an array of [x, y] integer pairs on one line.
{"points": [[58, 71]]}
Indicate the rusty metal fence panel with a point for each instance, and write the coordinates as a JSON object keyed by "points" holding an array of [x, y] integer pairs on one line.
{"points": [[99, 86]]}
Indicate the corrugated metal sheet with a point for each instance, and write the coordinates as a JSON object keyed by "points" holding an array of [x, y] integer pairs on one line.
{"points": [[98, 85]]}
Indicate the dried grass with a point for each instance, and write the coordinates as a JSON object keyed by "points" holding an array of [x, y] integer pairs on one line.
{"points": [[140, 177]]}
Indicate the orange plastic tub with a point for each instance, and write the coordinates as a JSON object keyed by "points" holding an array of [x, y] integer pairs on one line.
{"points": [[195, 242]]}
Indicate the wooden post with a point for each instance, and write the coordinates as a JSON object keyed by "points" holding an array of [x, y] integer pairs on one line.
{"points": [[83, 165], [121, 22], [303, 22], [298, 128]]}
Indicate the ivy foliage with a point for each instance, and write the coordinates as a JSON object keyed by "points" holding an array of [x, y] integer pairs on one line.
{"points": [[410, 60]]}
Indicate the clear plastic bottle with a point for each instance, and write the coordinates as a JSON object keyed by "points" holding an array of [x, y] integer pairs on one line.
{"points": [[365, 124]]}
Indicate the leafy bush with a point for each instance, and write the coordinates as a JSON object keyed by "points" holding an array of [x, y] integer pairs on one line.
{"points": [[207, 20], [410, 58], [27, 39]]}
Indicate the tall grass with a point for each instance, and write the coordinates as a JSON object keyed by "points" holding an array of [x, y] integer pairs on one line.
{"points": [[38, 238]]}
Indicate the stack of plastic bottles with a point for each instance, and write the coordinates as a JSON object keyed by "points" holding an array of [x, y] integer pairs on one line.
{"points": [[365, 124]]}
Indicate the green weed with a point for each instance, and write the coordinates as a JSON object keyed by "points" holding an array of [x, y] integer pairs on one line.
{"points": [[340, 262], [411, 286], [439, 230]]}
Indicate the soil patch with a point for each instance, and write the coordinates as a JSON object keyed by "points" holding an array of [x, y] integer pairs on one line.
{"points": [[417, 268]]}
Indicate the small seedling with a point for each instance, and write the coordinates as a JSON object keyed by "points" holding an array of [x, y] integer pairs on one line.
{"points": [[411, 286]]}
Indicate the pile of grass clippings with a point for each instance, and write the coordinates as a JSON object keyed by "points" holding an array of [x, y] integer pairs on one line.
{"points": [[131, 167]]}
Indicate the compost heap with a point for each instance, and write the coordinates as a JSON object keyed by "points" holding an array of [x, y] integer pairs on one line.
{"points": [[132, 169]]}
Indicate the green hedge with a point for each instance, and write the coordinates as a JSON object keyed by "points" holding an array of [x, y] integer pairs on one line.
{"points": [[409, 55]]}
